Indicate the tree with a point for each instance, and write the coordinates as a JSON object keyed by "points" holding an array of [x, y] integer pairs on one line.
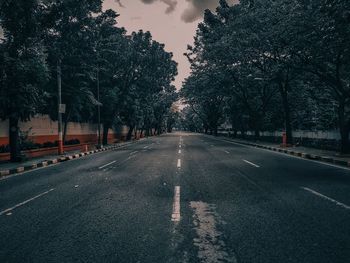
{"points": [[23, 68], [69, 37], [323, 50]]}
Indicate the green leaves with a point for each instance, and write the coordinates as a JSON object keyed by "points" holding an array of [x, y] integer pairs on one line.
{"points": [[267, 58]]}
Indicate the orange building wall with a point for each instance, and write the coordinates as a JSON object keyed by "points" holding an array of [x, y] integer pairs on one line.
{"points": [[42, 129]]}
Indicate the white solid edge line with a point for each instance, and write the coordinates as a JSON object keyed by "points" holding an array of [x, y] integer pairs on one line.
{"points": [[106, 165], [257, 166], [326, 198], [25, 202], [178, 163], [176, 216], [286, 155]]}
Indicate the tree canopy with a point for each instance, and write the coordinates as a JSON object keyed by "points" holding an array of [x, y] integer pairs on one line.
{"points": [[124, 79], [282, 65]]}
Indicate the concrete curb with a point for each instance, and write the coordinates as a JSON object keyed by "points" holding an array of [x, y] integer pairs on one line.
{"points": [[309, 156], [21, 169]]}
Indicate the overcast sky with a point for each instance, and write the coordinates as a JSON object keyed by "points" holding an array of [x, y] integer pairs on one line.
{"points": [[172, 22]]}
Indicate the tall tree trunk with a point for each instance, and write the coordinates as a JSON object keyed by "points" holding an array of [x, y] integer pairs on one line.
{"points": [[129, 136], [235, 133], [135, 132], [65, 130], [66, 121], [343, 128], [257, 134], [256, 119], [14, 138], [106, 127], [242, 133], [286, 109], [216, 130]]}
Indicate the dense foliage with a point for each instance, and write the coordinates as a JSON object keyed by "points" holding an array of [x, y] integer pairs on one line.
{"points": [[124, 79], [273, 65]]}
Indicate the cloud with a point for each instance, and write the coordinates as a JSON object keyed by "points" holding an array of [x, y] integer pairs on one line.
{"points": [[170, 3], [195, 9], [119, 3]]}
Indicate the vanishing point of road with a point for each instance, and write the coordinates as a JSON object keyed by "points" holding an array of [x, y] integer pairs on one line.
{"points": [[179, 197]]}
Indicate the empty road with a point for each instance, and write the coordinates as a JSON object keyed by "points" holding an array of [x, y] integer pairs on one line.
{"points": [[180, 197]]}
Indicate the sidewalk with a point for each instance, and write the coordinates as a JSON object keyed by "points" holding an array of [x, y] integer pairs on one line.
{"points": [[300, 151], [8, 168]]}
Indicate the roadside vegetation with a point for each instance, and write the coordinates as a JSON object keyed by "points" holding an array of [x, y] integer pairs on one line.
{"points": [[127, 77], [267, 65]]}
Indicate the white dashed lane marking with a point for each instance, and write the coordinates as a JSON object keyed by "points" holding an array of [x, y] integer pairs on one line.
{"points": [[176, 216], [178, 163], [326, 198], [9, 210], [108, 164], [253, 164]]}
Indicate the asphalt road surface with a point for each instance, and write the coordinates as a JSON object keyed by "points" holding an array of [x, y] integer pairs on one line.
{"points": [[178, 198]]}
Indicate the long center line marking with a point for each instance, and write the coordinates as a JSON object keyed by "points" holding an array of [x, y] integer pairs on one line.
{"points": [[176, 216], [25, 202], [326, 198], [178, 163], [253, 164], [108, 164]]}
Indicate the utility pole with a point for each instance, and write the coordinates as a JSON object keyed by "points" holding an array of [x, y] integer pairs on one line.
{"points": [[98, 109], [60, 108]]}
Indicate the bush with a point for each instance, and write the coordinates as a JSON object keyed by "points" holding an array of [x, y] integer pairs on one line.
{"points": [[49, 144], [72, 142], [4, 148], [29, 145]]}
